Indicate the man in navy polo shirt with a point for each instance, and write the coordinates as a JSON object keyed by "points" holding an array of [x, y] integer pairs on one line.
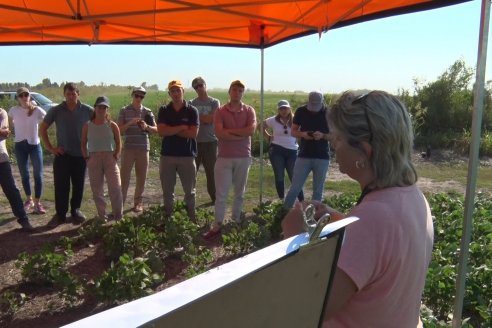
{"points": [[310, 126], [178, 124]]}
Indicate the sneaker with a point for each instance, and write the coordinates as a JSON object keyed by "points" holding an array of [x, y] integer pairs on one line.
{"points": [[26, 226], [28, 205], [56, 220], [78, 217], [39, 209], [211, 234], [138, 208]]}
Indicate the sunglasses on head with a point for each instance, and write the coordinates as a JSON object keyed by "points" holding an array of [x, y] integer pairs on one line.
{"points": [[139, 96], [199, 85], [362, 100], [23, 95]]}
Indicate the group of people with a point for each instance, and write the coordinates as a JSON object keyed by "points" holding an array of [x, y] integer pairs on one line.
{"points": [[382, 265]]}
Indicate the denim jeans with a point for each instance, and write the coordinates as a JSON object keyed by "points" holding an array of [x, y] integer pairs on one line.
{"points": [[283, 159], [24, 151], [301, 171], [7, 183]]}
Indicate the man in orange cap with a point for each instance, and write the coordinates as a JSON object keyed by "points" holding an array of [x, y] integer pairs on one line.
{"points": [[178, 124]]}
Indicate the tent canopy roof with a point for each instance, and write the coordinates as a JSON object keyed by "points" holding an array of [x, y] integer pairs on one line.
{"points": [[238, 23]]}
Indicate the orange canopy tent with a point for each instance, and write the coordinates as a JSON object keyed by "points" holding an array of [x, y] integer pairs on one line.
{"points": [[238, 23]]}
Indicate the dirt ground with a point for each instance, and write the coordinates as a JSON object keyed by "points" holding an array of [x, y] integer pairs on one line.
{"points": [[45, 309]]}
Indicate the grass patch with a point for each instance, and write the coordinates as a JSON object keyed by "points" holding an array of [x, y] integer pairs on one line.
{"points": [[459, 173]]}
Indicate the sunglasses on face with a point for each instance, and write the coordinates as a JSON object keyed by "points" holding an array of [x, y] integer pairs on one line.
{"points": [[200, 85], [139, 96], [23, 95]]}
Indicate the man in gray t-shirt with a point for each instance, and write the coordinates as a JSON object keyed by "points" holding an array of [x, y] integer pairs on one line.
{"points": [[69, 164], [206, 139]]}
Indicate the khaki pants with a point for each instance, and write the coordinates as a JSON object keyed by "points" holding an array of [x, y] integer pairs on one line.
{"points": [[186, 170], [139, 157], [230, 171], [103, 165]]}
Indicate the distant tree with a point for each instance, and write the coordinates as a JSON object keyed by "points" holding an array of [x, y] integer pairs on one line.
{"points": [[46, 83], [445, 103]]}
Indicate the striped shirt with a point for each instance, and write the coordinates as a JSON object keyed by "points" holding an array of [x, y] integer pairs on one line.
{"points": [[136, 138]]}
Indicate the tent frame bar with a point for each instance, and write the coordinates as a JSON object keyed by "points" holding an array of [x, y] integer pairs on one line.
{"points": [[478, 104]]}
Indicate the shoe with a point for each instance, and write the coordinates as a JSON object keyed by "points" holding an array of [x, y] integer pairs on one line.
{"points": [[26, 226], [78, 217], [138, 208], [56, 220], [211, 234], [28, 205], [39, 209]]}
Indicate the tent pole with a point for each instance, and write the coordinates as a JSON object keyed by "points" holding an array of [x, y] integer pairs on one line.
{"points": [[478, 104], [260, 124]]}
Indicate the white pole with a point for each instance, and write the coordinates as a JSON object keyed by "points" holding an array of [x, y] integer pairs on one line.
{"points": [[478, 101], [261, 123]]}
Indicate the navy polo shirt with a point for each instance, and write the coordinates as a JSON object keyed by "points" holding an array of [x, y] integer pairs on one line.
{"points": [[312, 121], [175, 145]]}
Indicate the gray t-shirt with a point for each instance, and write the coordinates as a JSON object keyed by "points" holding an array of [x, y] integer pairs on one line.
{"points": [[69, 125], [206, 132]]}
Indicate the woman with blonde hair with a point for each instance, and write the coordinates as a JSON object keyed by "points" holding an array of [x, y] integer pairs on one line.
{"points": [[383, 261], [283, 146], [101, 146], [26, 118]]}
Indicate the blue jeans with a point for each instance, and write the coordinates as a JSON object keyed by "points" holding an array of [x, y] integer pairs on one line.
{"points": [[283, 159], [301, 171], [23, 150], [7, 183]]}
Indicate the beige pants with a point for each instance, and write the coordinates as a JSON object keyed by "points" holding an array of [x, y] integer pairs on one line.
{"points": [[139, 157], [103, 165], [186, 170]]}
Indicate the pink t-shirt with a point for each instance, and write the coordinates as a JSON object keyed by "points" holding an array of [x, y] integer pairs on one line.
{"points": [[386, 253], [230, 120]]}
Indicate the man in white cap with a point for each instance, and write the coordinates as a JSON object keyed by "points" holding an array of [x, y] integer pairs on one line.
{"points": [[135, 122], [206, 139], [310, 127]]}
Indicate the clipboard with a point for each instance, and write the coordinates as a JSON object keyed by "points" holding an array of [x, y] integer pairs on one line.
{"points": [[284, 285]]}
